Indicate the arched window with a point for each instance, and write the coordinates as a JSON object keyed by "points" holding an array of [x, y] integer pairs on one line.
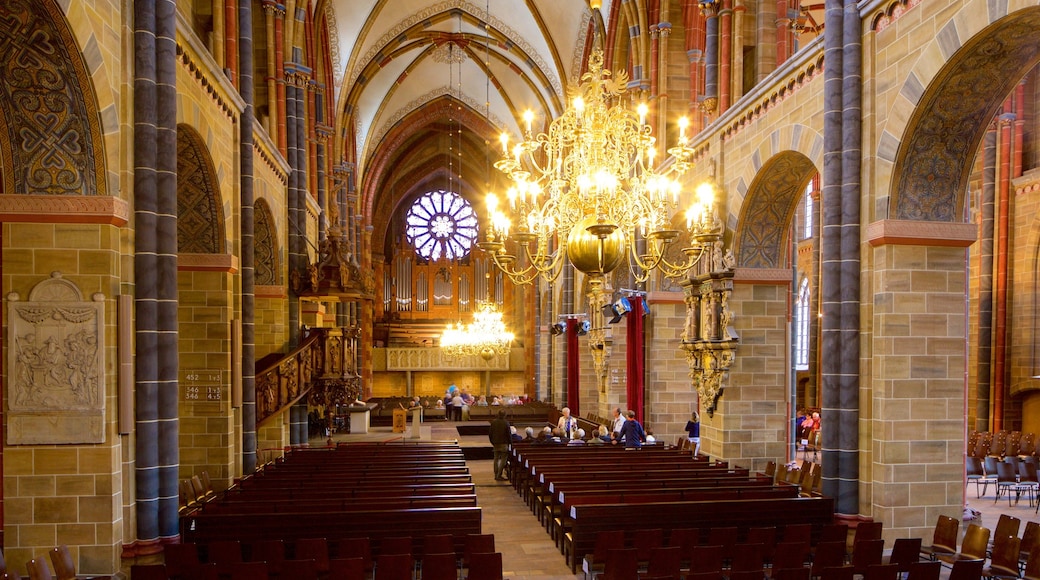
{"points": [[801, 327], [441, 224], [807, 208]]}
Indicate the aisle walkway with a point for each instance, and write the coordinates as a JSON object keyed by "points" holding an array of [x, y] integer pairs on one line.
{"points": [[527, 551]]}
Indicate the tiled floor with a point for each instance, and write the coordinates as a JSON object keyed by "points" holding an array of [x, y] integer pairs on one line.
{"points": [[529, 554]]}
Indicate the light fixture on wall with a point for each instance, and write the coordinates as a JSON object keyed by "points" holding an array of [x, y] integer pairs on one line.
{"points": [[594, 188]]}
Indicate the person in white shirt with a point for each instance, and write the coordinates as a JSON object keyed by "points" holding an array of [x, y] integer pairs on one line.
{"points": [[567, 424], [619, 422]]}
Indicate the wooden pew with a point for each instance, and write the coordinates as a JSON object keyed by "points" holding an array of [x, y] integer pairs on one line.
{"points": [[589, 519], [376, 524]]}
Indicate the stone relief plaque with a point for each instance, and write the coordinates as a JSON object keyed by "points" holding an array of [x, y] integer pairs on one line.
{"points": [[55, 357]]}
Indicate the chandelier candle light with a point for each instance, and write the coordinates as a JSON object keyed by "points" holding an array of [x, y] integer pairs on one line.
{"points": [[593, 186], [485, 337]]}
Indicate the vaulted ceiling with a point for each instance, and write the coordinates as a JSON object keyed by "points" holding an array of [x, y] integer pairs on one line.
{"points": [[423, 88]]}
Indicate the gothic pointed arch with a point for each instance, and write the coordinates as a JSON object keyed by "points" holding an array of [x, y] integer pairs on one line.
{"points": [[200, 218], [770, 204], [52, 142], [265, 246], [934, 159]]}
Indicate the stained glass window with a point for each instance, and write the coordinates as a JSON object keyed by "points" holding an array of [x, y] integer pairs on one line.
{"points": [[441, 224]]}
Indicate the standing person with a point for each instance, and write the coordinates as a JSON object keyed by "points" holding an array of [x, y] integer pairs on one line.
{"points": [[693, 432], [619, 422], [567, 423], [632, 432], [456, 406], [500, 437]]}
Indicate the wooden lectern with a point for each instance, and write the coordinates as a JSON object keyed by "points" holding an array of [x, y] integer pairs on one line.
{"points": [[400, 420]]}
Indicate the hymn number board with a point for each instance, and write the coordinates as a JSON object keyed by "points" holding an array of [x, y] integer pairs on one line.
{"points": [[201, 385]]}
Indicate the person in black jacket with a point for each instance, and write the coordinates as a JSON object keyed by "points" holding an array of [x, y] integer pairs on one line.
{"points": [[500, 437]]}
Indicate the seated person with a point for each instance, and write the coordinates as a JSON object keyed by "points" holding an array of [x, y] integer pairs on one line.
{"points": [[600, 437], [482, 401], [579, 438], [529, 434], [514, 435]]}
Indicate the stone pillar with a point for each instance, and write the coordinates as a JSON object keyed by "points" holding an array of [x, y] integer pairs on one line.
{"points": [[670, 396], [749, 427], [914, 470]]}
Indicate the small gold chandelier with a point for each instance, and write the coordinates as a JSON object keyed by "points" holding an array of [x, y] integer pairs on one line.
{"points": [[590, 187], [485, 337]]}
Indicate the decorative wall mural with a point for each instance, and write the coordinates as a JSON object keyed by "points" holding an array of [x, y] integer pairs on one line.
{"points": [[934, 161], [199, 216], [265, 246], [56, 388], [768, 209], [51, 126]]}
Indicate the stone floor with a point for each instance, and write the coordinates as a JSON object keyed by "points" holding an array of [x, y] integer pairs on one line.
{"points": [[527, 551]]}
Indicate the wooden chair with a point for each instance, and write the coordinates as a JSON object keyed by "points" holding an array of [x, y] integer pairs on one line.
{"points": [[393, 567], [790, 555], [395, 545], [765, 535], [989, 465], [973, 546], [485, 566], [974, 472], [477, 544], [438, 544], [1007, 525], [944, 538], [748, 557], [606, 541], [665, 562], [1004, 561], [292, 570], [865, 531], [644, 541], [349, 548], [905, 551], [705, 560], [1032, 567], [442, 566], [828, 555], [1030, 539], [725, 537], [867, 553], [348, 569], [64, 565], [881, 572], [1027, 480], [797, 533], [1007, 481], [1027, 448], [966, 570], [622, 564], [38, 569], [224, 552], [316, 549], [924, 570], [267, 551]]}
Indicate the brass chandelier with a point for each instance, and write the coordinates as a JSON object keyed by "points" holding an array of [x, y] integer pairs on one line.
{"points": [[592, 187], [485, 337]]}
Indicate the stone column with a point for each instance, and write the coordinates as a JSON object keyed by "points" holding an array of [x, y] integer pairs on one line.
{"points": [[750, 425], [917, 392]]}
